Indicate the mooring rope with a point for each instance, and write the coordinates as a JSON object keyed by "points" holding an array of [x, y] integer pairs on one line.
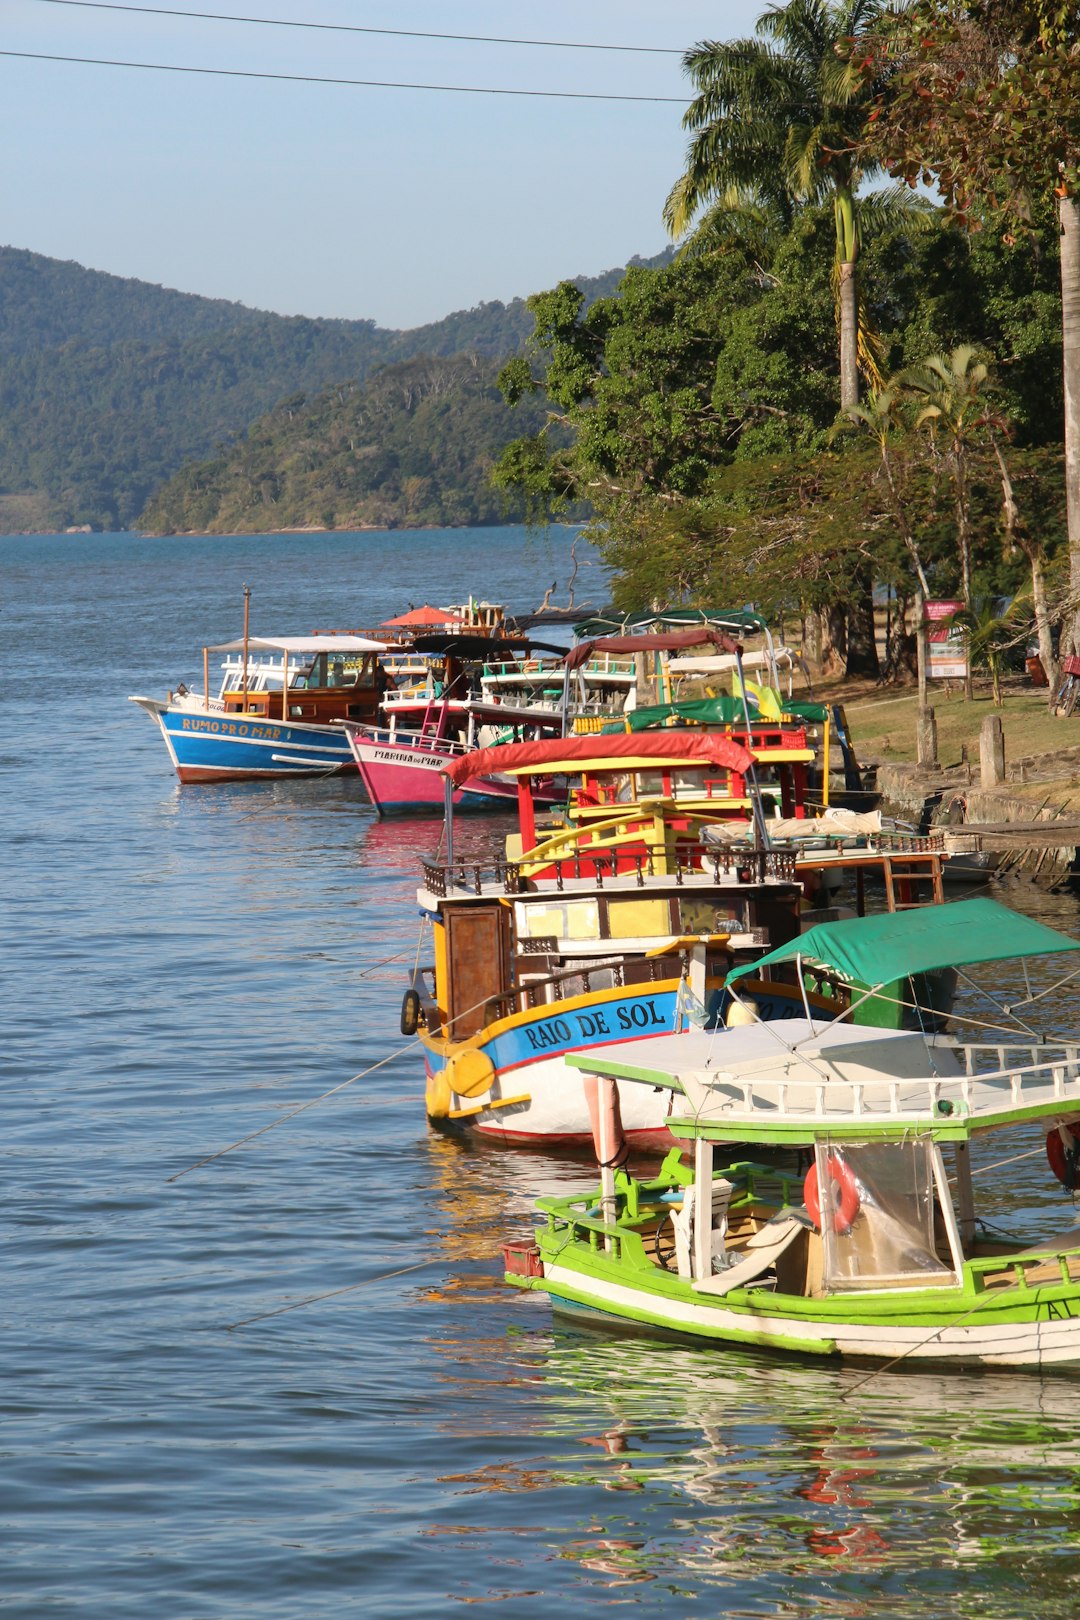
{"points": [[313, 1299], [283, 1118], [996, 1293]]}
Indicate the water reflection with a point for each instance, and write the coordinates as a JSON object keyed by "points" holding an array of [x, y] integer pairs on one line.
{"points": [[790, 1470]]}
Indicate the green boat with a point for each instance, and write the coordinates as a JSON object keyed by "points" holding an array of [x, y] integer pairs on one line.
{"points": [[821, 1199]]}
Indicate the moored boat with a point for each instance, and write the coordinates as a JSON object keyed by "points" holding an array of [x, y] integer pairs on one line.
{"points": [[871, 1249], [431, 722], [278, 709], [615, 921]]}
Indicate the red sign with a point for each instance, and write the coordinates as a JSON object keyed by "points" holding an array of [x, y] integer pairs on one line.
{"points": [[947, 652]]}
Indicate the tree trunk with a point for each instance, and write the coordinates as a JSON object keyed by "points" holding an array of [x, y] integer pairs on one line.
{"points": [[811, 637], [963, 530], [862, 653], [1042, 620], [1069, 216], [849, 336], [832, 640]]}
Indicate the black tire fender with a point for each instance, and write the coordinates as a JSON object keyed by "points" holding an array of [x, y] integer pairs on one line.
{"points": [[410, 1012]]}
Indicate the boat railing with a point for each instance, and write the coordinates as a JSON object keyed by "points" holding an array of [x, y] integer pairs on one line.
{"points": [[894, 843], [990, 1057], [611, 973], [829, 1098], [472, 877], [1011, 1270], [641, 1204], [600, 866]]}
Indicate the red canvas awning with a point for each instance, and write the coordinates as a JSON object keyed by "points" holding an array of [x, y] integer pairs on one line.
{"points": [[578, 753], [672, 641]]}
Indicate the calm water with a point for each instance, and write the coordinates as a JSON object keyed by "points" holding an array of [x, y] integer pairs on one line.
{"points": [[182, 968]]}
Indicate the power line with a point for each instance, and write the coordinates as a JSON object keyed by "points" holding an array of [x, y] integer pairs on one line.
{"points": [[367, 84], [350, 28]]}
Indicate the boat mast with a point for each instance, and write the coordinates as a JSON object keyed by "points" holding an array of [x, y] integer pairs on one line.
{"points": [[247, 614]]}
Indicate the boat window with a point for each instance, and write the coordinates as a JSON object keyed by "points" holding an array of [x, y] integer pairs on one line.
{"points": [[564, 919], [879, 1222], [634, 919], [712, 916]]}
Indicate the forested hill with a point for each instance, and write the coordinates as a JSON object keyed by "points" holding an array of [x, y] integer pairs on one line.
{"points": [[411, 447], [107, 385]]}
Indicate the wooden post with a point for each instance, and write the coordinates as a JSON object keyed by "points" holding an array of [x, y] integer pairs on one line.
{"points": [[991, 752], [926, 737], [920, 645], [608, 1150], [965, 1197], [641, 679]]}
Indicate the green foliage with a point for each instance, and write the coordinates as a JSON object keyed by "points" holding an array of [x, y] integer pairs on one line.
{"points": [[107, 385], [703, 403], [412, 447], [984, 101]]}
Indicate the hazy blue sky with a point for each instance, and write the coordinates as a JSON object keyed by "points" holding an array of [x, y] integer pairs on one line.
{"points": [[396, 205]]}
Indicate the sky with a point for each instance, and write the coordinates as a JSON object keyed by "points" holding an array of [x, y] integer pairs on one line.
{"points": [[397, 206]]}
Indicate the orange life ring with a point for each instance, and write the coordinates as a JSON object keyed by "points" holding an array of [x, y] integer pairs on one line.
{"points": [[1063, 1161], [845, 1204]]}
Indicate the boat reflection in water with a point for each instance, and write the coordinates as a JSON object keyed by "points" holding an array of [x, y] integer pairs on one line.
{"points": [[896, 1475]]}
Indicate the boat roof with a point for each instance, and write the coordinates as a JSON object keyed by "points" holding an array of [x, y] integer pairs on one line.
{"points": [[482, 709], [669, 641], [796, 1081], [879, 950], [721, 710], [740, 621], [301, 644], [472, 645], [724, 663], [558, 755]]}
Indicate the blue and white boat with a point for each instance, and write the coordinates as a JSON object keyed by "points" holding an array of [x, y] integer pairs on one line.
{"points": [[278, 711]]}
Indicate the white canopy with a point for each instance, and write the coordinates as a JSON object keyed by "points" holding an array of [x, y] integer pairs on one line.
{"points": [[302, 644], [721, 663]]}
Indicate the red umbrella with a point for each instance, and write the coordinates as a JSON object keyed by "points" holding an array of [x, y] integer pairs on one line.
{"points": [[420, 615]]}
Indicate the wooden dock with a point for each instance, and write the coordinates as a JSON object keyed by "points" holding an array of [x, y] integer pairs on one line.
{"points": [[974, 837]]}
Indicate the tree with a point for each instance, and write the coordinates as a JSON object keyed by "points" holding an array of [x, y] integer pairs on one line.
{"points": [[954, 387], [992, 631], [776, 124], [985, 102]]}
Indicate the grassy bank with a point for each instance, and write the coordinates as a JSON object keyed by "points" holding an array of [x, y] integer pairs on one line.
{"points": [[1042, 752]]}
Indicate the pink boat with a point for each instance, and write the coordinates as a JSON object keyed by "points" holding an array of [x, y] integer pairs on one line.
{"points": [[401, 766]]}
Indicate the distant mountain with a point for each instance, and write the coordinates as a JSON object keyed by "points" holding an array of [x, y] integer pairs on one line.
{"points": [[45, 303], [108, 385], [412, 447]]}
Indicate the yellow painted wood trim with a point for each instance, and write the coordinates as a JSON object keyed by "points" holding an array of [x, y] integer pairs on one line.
{"points": [[489, 1107]]}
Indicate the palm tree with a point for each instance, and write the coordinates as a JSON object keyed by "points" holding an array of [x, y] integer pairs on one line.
{"points": [[776, 122], [954, 387], [993, 631]]}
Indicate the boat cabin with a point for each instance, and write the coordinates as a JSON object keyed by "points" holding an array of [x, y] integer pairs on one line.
{"points": [[309, 678]]}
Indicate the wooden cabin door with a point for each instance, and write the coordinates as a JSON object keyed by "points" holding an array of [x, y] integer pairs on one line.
{"points": [[478, 960]]}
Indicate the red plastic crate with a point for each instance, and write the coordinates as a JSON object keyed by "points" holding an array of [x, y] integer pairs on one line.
{"points": [[1070, 665], [522, 1260]]}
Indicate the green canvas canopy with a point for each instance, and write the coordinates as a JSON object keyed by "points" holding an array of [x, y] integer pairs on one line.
{"points": [[817, 712], [880, 950], [717, 711], [722, 710]]}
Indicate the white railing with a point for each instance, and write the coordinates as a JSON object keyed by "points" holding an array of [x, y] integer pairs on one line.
{"points": [[938, 1098]]}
